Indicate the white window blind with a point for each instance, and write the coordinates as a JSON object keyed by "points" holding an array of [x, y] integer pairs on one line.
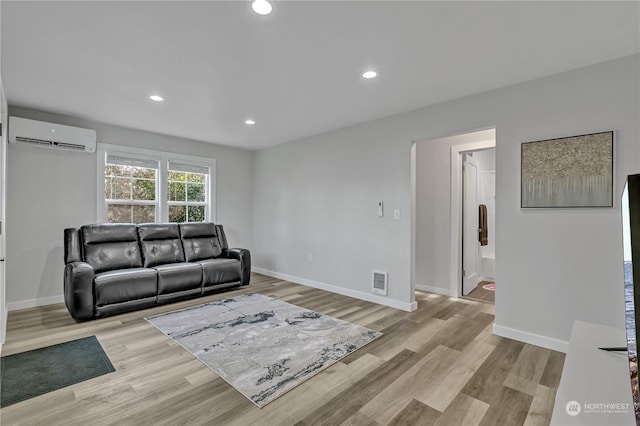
{"points": [[190, 168], [119, 160]]}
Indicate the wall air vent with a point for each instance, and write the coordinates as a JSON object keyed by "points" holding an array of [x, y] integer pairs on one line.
{"points": [[51, 135], [32, 141], [71, 146], [379, 285]]}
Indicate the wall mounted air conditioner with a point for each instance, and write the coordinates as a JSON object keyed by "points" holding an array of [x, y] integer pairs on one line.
{"points": [[50, 135]]}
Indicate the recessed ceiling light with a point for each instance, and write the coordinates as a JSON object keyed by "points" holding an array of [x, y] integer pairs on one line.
{"points": [[261, 7], [156, 98], [249, 122], [369, 74]]}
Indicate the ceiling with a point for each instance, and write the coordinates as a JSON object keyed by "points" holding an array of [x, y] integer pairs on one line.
{"points": [[296, 72]]}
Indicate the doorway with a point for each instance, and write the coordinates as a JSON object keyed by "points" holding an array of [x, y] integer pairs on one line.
{"points": [[477, 144], [436, 216]]}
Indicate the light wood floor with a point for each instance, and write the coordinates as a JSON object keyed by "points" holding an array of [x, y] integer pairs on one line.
{"points": [[438, 365], [479, 293]]}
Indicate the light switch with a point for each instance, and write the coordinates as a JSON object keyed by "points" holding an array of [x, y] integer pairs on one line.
{"points": [[380, 209], [396, 214]]}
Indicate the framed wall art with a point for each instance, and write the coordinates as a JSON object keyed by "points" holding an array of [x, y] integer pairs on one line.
{"points": [[575, 171]]}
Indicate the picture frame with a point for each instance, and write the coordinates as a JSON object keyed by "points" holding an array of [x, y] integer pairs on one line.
{"points": [[568, 172]]}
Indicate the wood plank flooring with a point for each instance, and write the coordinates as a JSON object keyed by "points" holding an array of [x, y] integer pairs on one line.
{"points": [[439, 365]]}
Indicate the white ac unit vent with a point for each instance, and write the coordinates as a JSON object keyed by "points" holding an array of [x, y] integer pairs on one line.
{"points": [[50, 135], [380, 283]]}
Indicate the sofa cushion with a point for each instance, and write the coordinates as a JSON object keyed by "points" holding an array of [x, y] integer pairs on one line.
{"points": [[160, 244], [200, 241], [111, 246], [125, 284], [72, 246], [222, 237], [176, 277], [219, 271]]}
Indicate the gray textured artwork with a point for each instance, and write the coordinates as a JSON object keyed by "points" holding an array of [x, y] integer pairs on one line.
{"points": [[263, 347], [568, 172]]}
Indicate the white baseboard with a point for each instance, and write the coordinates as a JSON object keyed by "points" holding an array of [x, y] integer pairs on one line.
{"points": [[32, 303], [533, 339], [409, 307], [392, 303], [436, 290]]}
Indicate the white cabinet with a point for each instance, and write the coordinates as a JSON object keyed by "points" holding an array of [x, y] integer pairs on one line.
{"points": [[595, 388]]}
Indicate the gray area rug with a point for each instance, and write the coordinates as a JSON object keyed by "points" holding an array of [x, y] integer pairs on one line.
{"points": [[261, 346]]}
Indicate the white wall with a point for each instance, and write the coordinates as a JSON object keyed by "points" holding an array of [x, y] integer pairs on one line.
{"points": [[556, 266], [320, 196], [51, 190]]}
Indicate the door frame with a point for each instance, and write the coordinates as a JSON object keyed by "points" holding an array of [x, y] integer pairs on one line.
{"points": [[457, 152], [4, 140]]}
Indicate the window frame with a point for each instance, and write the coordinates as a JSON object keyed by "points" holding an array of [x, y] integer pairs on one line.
{"points": [[162, 186]]}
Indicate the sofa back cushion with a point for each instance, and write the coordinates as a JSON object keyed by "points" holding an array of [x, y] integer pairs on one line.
{"points": [[160, 244], [111, 246], [72, 245], [222, 237], [200, 241]]}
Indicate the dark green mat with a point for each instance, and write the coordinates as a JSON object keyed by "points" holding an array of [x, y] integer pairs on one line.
{"points": [[33, 373]]}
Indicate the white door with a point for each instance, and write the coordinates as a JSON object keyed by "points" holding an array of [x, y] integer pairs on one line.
{"points": [[470, 244]]}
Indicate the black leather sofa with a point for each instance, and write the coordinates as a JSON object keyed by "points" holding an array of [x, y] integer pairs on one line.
{"points": [[115, 268]]}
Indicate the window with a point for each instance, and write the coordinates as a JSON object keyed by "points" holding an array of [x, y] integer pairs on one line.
{"points": [[187, 195], [130, 189], [143, 186]]}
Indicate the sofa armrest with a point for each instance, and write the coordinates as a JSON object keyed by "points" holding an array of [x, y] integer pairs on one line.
{"points": [[78, 290], [244, 256]]}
